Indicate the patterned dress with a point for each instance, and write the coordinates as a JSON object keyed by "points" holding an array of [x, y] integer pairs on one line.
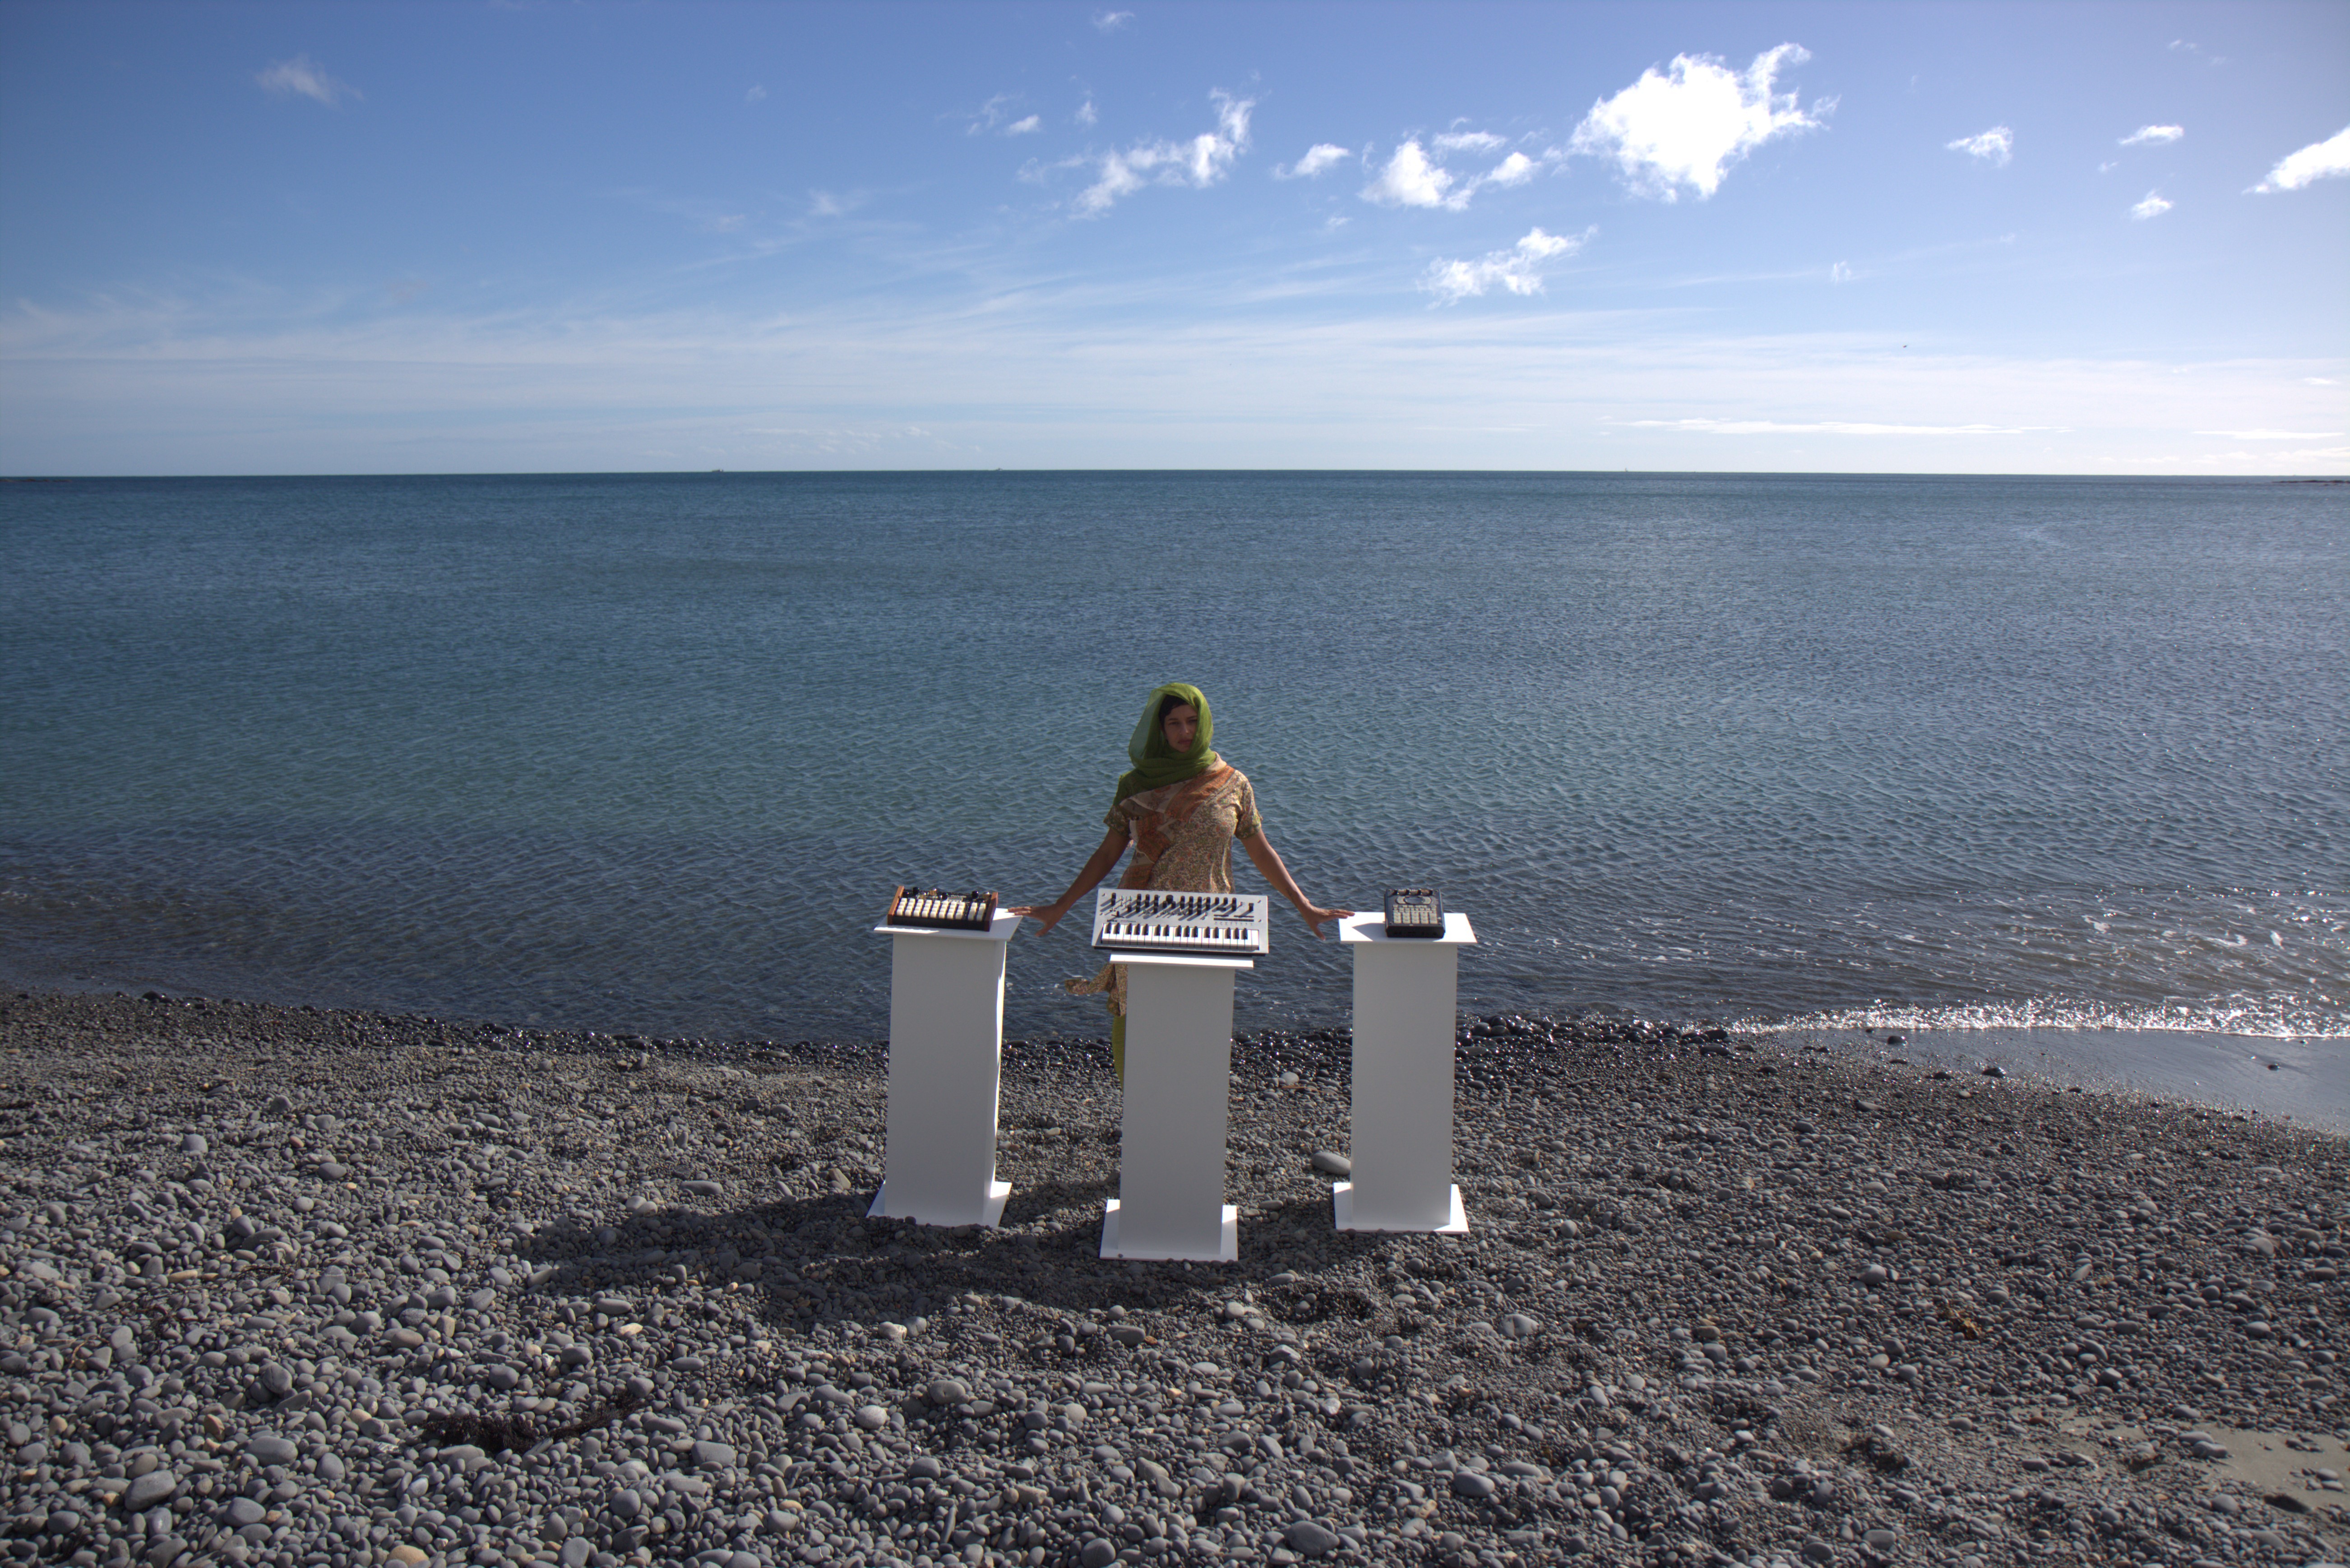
{"points": [[1182, 836]]}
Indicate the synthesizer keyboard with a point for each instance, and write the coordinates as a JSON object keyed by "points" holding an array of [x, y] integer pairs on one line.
{"points": [[1415, 912], [1229, 925], [910, 905]]}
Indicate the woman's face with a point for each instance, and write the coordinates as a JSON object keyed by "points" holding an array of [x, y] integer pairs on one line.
{"points": [[1183, 727]]}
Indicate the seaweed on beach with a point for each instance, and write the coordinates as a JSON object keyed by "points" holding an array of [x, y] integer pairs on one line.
{"points": [[500, 1434]]}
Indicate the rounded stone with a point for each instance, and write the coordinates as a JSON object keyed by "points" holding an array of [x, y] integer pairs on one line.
{"points": [[1473, 1484], [154, 1487], [1099, 1552], [872, 1417], [1310, 1538], [268, 1448], [947, 1391]]}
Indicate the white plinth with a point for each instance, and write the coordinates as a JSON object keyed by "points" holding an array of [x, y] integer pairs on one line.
{"points": [[1179, 1065], [946, 1037], [1406, 988]]}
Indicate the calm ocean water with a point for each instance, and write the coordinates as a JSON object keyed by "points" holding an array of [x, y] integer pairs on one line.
{"points": [[646, 754]]}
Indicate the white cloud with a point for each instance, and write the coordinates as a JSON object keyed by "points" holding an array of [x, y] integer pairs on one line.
{"points": [[1320, 156], [2145, 135], [1514, 169], [308, 78], [2318, 160], [1835, 427], [1086, 114], [1685, 127], [758, 91], [1514, 269], [1199, 162], [2274, 435], [2153, 206], [1995, 146], [2319, 381], [1468, 141], [1840, 273], [995, 117], [1111, 21], [1411, 180]]}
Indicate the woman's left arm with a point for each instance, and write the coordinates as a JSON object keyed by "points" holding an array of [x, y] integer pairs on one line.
{"points": [[1268, 861]]}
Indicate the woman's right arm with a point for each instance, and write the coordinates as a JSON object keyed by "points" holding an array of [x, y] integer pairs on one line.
{"points": [[1104, 861]]}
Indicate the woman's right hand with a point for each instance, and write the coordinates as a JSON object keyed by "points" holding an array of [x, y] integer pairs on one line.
{"points": [[1047, 916]]}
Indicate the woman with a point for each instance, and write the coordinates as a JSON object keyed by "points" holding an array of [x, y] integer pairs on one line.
{"points": [[1179, 808]]}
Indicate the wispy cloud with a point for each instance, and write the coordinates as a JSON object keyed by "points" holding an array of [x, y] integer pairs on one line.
{"points": [[2274, 435], [1684, 127], [1515, 269], [1995, 146], [1053, 370], [2153, 135], [2153, 206], [2326, 159], [1410, 177], [306, 78], [996, 115], [1086, 114], [1111, 21], [1836, 427], [1199, 163], [1468, 141], [758, 91], [1322, 155], [1840, 273]]}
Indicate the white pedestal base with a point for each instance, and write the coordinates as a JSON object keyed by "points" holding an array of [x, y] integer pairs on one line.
{"points": [[1406, 988], [1342, 1205], [991, 1211], [1179, 1063], [1228, 1242], [946, 1036]]}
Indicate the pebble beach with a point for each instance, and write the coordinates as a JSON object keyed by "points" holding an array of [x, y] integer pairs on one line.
{"points": [[293, 1286]]}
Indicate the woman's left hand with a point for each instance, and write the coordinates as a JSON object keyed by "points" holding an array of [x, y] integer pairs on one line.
{"points": [[1317, 916]]}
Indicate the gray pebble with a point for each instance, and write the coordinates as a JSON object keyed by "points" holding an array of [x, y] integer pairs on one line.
{"points": [[1310, 1538], [268, 1448], [1472, 1485], [1331, 1163]]}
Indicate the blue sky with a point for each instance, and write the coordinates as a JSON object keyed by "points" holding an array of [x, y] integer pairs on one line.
{"points": [[531, 237]]}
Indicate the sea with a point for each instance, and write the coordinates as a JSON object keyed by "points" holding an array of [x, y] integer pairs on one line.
{"points": [[2051, 771]]}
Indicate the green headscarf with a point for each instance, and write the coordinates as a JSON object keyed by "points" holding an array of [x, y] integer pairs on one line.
{"points": [[1157, 764]]}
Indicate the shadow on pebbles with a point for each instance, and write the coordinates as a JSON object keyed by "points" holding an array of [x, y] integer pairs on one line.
{"points": [[291, 1286]]}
